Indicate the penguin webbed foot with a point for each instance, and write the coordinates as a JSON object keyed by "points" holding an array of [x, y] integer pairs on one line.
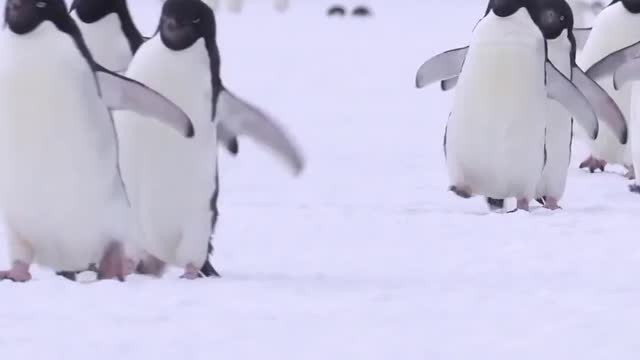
{"points": [[523, 204], [19, 272], [593, 164], [112, 264]]}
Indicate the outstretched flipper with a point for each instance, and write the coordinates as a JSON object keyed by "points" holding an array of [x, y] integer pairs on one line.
{"points": [[446, 85], [604, 106], [227, 139], [610, 63], [121, 93], [240, 118], [627, 72], [441, 67], [581, 35], [562, 90]]}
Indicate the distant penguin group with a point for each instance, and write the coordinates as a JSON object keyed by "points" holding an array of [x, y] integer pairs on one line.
{"points": [[85, 183], [358, 11], [518, 88]]}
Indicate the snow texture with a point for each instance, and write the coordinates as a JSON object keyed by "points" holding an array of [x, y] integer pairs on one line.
{"points": [[366, 256]]}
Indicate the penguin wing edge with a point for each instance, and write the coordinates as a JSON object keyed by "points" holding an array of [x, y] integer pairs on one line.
{"points": [[562, 90], [604, 106], [448, 84], [240, 118], [121, 93], [608, 65], [443, 66], [228, 139]]}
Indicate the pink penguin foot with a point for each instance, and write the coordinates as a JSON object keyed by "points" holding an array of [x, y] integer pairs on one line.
{"points": [[191, 272], [112, 264], [19, 272], [593, 164], [523, 204], [551, 203], [151, 265]]}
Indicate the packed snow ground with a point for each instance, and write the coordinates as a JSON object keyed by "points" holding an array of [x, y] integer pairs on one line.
{"points": [[365, 256]]}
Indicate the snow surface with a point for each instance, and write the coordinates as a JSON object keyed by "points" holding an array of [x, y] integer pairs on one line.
{"points": [[366, 256]]}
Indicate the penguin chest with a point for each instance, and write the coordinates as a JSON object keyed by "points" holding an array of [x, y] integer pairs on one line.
{"points": [[171, 179], [106, 41], [495, 134]]}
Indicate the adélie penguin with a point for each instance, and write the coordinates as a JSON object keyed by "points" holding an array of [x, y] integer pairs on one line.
{"points": [[113, 38], [556, 24], [495, 140], [61, 192], [174, 181], [615, 28]]}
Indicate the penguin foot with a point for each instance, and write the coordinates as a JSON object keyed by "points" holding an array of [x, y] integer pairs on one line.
{"points": [[191, 272], [151, 265], [69, 275], [551, 203], [523, 204], [495, 204], [460, 191], [19, 272], [112, 264], [593, 164], [631, 173]]}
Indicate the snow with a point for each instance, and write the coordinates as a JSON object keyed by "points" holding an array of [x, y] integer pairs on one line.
{"points": [[366, 255]]}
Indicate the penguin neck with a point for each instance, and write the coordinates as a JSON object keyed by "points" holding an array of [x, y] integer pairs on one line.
{"points": [[134, 37]]}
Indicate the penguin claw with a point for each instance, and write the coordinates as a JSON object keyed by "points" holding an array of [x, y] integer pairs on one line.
{"points": [[593, 164]]}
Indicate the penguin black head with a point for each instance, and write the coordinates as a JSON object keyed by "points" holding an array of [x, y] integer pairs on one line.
{"points": [[504, 8], [183, 22], [23, 16], [632, 6], [90, 11], [553, 17]]}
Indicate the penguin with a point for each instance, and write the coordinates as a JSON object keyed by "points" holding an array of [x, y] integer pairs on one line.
{"points": [[109, 31], [113, 39], [173, 182], [61, 192], [336, 10], [557, 27], [361, 11], [616, 27], [495, 141]]}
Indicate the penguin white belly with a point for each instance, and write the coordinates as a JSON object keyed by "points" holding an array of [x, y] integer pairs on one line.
{"points": [[171, 180], [106, 41], [59, 187], [495, 134], [558, 130], [614, 29]]}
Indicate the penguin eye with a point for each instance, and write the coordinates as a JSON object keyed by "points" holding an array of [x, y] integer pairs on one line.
{"points": [[562, 18], [41, 4], [196, 21]]}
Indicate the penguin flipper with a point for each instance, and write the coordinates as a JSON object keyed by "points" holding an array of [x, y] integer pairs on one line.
{"points": [[228, 139], [122, 93], [448, 84], [241, 118], [441, 67], [562, 90], [627, 72], [581, 35], [610, 63], [604, 106]]}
